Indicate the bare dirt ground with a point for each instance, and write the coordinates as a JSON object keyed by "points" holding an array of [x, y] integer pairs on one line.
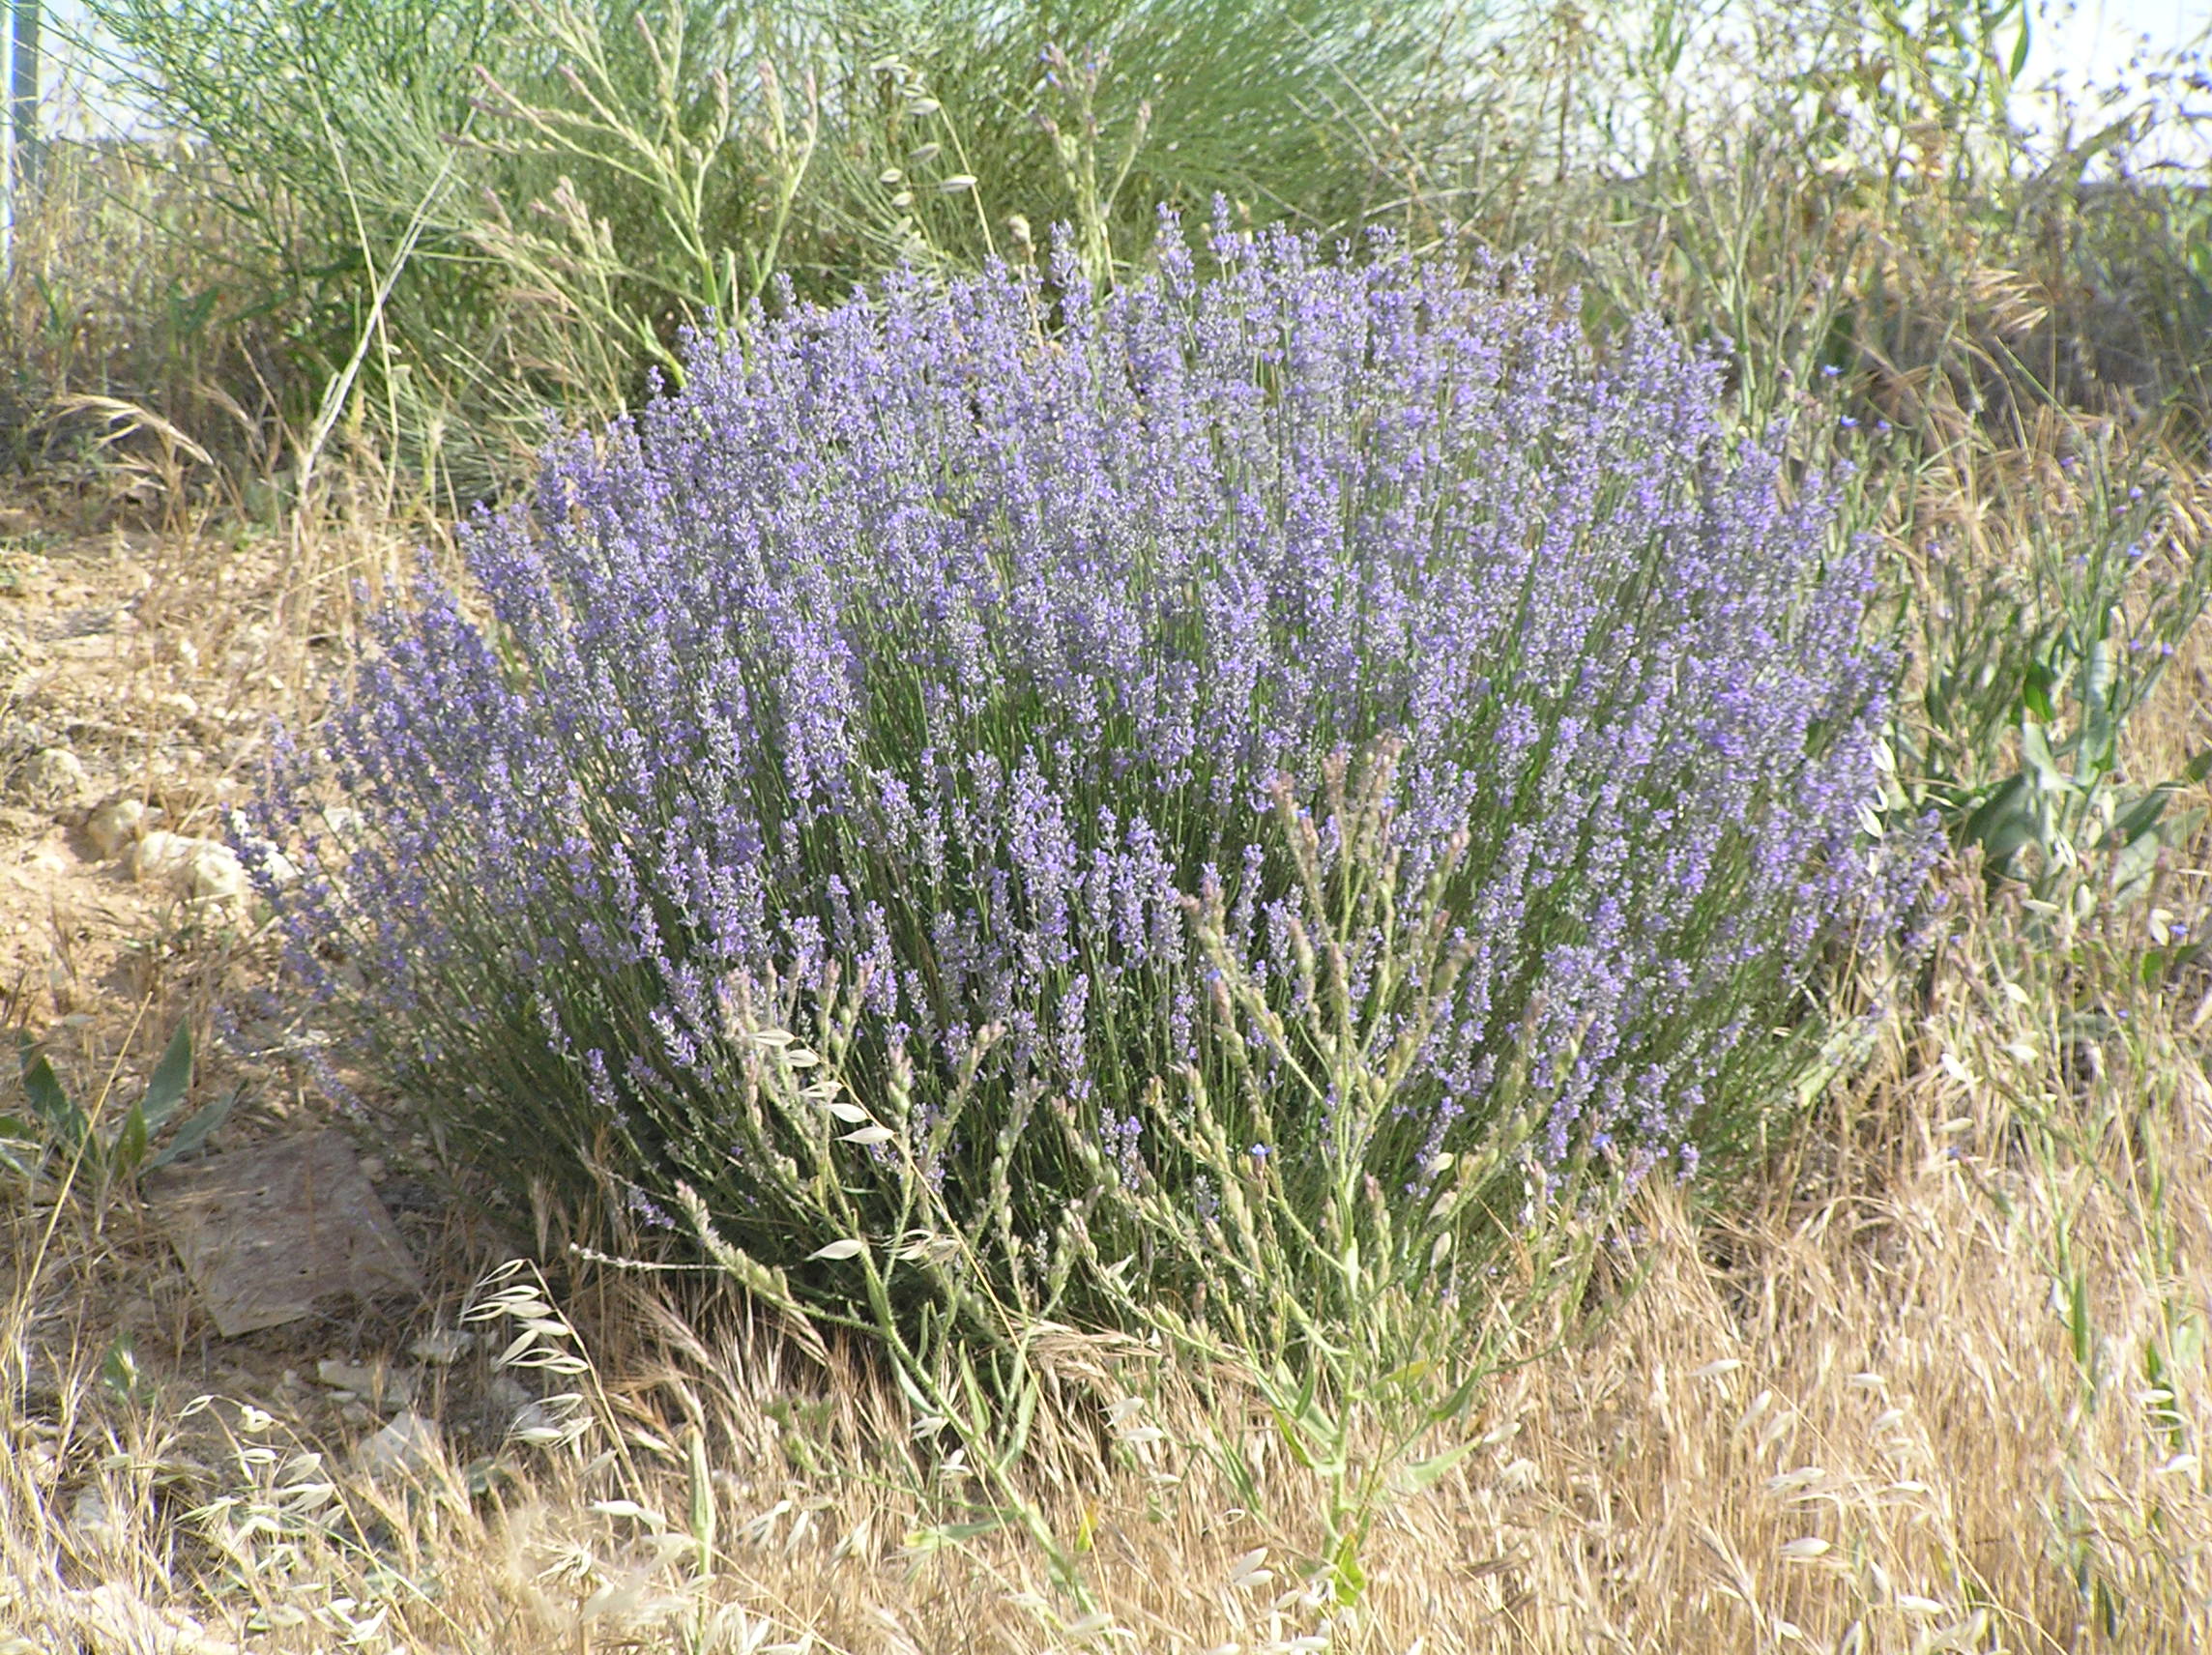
{"points": [[139, 673], [163, 1487]]}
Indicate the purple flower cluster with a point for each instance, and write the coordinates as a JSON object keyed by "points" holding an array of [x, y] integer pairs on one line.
{"points": [[948, 641]]}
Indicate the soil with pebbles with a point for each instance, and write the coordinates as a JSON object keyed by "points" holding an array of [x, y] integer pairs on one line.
{"points": [[140, 676]]}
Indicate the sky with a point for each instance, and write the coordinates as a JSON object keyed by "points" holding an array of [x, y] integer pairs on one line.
{"points": [[2093, 45], [2097, 39]]}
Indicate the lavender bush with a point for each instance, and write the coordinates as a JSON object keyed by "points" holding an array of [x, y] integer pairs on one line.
{"points": [[934, 653]]}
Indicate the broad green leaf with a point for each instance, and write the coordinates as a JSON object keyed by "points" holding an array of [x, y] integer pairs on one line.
{"points": [[1409, 1373], [2100, 730], [2141, 817], [2003, 824], [129, 1148], [1025, 1421], [2035, 692], [15, 1130], [2042, 765], [1424, 1475], [1454, 1404], [172, 1077], [1351, 1579], [1244, 1481], [63, 1118], [1287, 1427], [2182, 829], [2132, 867], [194, 1131]]}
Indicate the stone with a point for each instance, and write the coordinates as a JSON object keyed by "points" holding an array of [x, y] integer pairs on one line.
{"points": [[272, 862], [93, 1521], [113, 1616], [115, 826], [377, 1383], [198, 870], [266, 1234], [49, 779], [409, 1447], [443, 1347]]}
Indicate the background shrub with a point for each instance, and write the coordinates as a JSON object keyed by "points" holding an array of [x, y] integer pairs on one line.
{"points": [[920, 650], [557, 187]]}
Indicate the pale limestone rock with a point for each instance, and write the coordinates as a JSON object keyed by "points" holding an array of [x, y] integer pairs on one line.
{"points": [[49, 778], [409, 1446], [443, 1347], [117, 825], [113, 1616], [198, 870]]}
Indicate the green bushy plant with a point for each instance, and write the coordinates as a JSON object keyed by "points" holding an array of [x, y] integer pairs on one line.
{"points": [[914, 655], [1845, 188], [2030, 671], [1364, 1322], [526, 204], [57, 1126]]}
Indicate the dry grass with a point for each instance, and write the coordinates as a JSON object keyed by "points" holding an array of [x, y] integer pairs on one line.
{"points": [[1956, 1404], [1936, 1381]]}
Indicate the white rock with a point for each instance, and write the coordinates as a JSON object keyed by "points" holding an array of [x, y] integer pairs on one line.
{"points": [[162, 857], [377, 1384], [506, 1396], [116, 826], [199, 870], [91, 1519], [39, 1462], [275, 862], [409, 1446], [50, 776], [443, 1347], [113, 1616]]}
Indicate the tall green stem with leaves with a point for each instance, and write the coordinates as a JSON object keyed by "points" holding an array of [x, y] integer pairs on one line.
{"points": [[670, 146], [1366, 1318]]}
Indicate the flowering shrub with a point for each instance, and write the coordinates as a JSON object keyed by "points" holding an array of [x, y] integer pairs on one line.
{"points": [[937, 658]]}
